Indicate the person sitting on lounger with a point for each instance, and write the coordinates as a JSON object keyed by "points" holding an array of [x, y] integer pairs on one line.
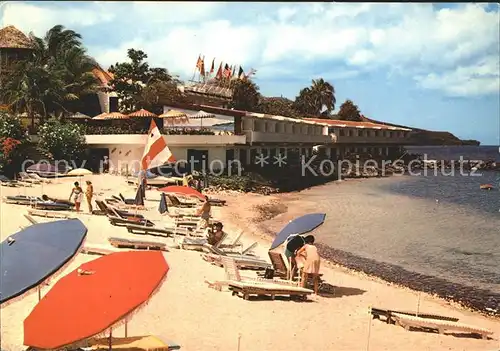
{"points": [[216, 234], [204, 213], [308, 258]]}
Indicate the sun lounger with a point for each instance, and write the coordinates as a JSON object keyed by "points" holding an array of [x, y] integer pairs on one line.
{"points": [[51, 205], [189, 243], [147, 230], [30, 219], [247, 286], [136, 343], [4, 181], [127, 201], [441, 326], [387, 314], [21, 199], [216, 255], [137, 244], [40, 179], [27, 179], [123, 222], [175, 202], [113, 211], [49, 214], [96, 249]]}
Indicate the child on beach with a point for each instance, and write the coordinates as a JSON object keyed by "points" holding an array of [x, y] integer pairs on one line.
{"points": [[89, 193], [77, 194], [216, 234], [308, 258]]}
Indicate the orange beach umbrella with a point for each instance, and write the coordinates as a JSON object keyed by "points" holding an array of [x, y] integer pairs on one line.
{"points": [[93, 298], [183, 190]]}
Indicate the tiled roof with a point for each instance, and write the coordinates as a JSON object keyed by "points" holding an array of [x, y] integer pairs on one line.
{"points": [[351, 124], [103, 76], [13, 38], [210, 89]]}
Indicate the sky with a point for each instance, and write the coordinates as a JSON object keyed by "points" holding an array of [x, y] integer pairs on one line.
{"points": [[431, 66]]}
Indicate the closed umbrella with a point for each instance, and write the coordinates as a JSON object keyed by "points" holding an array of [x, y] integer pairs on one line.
{"points": [[93, 298], [139, 196], [32, 255], [300, 225], [163, 207]]}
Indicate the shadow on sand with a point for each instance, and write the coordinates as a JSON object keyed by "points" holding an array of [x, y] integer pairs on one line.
{"points": [[331, 291]]}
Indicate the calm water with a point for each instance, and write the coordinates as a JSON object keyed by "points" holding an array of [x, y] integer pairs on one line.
{"points": [[454, 152], [437, 226]]}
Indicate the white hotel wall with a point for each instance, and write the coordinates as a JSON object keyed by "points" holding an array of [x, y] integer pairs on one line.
{"points": [[125, 158]]}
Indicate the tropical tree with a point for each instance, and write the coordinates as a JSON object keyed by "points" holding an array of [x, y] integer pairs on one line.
{"points": [[140, 86], [54, 78], [349, 112], [61, 141], [245, 95], [279, 106], [316, 100]]}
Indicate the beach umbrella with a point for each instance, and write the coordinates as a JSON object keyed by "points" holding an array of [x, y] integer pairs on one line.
{"points": [[29, 257], [174, 117], [79, 115], [93, 298], [139, 196], [300, 225], [142, 113], [201, 115], [163, 207], [79, 172], [182, 190], [111, 115]]}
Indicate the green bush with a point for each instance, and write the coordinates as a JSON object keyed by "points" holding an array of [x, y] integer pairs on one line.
{"points": [[61, 141], [13, 144]]}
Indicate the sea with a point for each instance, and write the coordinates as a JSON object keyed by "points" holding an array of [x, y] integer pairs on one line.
{"points": [[435, 233]]}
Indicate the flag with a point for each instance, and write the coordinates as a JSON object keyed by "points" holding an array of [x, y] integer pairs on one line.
{"points": [[156, 151], [241, 73], [199, 63], [213, 66], [234, 69], [252, 72], [219, 72], [202, 68], [227, 71]]}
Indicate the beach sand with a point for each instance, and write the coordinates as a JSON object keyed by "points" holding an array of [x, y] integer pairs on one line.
{"points": [[200, 318]]}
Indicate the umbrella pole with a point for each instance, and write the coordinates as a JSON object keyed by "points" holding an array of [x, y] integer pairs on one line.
{"points": [[110, 342], [39, 293], [126, 328]]}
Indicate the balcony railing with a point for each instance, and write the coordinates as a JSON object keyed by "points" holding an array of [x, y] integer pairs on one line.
{"points": [[127, 129]]}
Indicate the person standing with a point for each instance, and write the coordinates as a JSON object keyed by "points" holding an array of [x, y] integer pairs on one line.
{"points": [[89, 193], [77, 194], [311, 262], [204, 213]]}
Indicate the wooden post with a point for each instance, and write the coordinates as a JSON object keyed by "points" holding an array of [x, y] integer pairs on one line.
{"points": [[126, 329], [110, 343], [418, 302], [239, 341]]}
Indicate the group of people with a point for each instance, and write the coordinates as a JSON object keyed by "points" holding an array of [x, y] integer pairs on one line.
{"points": [[304, 257], [77, 195]]}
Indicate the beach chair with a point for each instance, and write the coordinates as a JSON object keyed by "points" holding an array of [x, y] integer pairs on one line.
{"points": [[387, 314], [30, 219], [247, 286], [136, 343], [40, 179], [4, 181], [51, 206], [96, 249], [408, 322], [21, 199], [27, 179], [137, 244], [121, 221], [127, 201], [151, 230], [189, 243], [49, 214], [108, 210], [246, 261], [175, 202], [235, 244]]}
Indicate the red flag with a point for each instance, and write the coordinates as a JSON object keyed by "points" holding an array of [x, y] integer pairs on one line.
{"points": [[199, 63], [156, 151], [227, 71], [219, 72], [213, 66], [202, 66]]}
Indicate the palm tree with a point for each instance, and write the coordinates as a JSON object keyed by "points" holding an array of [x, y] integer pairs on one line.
{"points": [[316, 99], [56, 75]]}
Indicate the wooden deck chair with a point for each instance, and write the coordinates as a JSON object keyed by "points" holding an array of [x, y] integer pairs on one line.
{"points": [[120, 221], [175, 202], [137, 244], [199, 243], [96, 249], [255, 286], [27, 179], [30, 219], [155, 230], [41, 179], [441, 326], [279, 265], [234, 244], [49, 214], [214, 256], [114, 211], [377, 312], [249, 248]]}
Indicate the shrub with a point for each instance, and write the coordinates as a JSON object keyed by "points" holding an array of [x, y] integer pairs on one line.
{"points": [[61, 141]]}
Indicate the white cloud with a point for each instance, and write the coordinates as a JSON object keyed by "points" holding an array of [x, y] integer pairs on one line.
{"points": [[418, 40], [478, 79]]}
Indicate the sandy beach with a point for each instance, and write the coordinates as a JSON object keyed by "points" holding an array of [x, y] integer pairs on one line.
{"points": [[200, 318]]}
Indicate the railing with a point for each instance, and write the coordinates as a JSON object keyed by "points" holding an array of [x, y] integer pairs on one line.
{"points": [[94, 130]]}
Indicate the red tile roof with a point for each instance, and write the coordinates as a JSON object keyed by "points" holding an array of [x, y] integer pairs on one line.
{"points": [[102, 75]]}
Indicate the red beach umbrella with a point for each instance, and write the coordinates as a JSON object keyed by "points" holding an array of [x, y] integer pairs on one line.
{"points": [[183, 190], [93, 298]]}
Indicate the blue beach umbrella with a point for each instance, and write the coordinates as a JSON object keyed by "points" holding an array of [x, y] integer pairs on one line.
{"points": [[300, 225], [163, 207], [30, 256]]}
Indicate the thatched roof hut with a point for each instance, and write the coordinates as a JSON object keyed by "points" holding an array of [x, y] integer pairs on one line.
{"points": [[13, 38]]}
